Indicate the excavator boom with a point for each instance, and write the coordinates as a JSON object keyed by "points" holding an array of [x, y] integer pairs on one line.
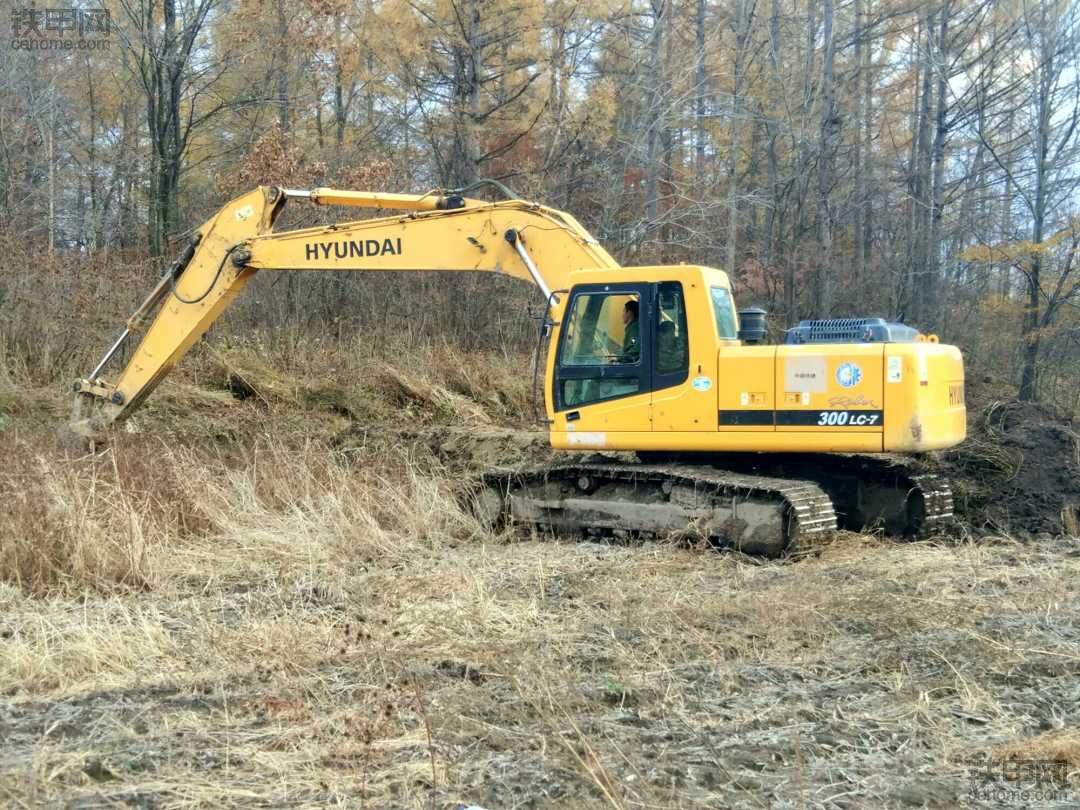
{"points": [[438, 233]]}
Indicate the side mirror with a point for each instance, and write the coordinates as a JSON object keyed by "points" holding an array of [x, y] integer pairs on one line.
{"points": [[752, 327]]}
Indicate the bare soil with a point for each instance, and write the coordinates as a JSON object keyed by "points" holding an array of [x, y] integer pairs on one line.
{"points": [[1018, 472]]}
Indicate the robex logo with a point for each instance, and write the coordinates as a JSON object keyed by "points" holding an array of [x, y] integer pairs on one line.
{"points": [[956, 395]]}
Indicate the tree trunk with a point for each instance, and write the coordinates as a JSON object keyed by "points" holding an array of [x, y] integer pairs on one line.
{"points": [[282, 58], [1006, 209], [920, 180], [866, 174], [771, 157], [664, 202], [932, 313], [340, 105], [858, 216], [165, 73], [1031, 332], [173, 144], [699, 95], [802, 173], [652, 113], [826, 147], [465, 149], [742, 34]]}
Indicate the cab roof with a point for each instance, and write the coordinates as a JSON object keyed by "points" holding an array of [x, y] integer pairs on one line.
{"points": [[687, 273]]}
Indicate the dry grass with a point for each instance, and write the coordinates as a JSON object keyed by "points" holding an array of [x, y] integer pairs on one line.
{"points": [[73, 524], [268, 602], [1061, 745]]}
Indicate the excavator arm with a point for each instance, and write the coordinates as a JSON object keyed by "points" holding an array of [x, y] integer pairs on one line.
{"points": [[433, 233]]}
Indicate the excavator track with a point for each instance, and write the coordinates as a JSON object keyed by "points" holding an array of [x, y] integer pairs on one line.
{"points": [[872, 492], [885, 492], [923, 499], [757, 514]]}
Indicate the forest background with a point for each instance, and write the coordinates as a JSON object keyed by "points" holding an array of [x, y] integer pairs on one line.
{"points": [[267, 587], [869, 157]]}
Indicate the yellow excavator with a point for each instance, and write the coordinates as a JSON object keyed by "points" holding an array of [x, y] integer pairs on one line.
{"points": [[752, 445]]}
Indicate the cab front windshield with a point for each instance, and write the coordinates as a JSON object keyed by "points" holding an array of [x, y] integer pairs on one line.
{"points": [[603, 328]]}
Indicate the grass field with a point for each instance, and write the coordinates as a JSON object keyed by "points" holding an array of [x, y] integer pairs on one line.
{"points": [[264, 592]]}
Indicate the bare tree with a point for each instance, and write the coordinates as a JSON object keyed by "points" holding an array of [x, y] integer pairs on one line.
{"points": [[1050, 31], [828, 133], [163, 39]]}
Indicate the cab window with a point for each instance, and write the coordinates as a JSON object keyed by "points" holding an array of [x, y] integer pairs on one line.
{"points": [[724, 310], [672, 342], [603, 328], [601, 345]]}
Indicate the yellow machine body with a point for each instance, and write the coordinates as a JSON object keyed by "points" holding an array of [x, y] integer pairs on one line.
{"points": [[848, 397], [689, 384]]}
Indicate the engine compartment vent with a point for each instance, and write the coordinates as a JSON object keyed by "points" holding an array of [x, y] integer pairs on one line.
{"points": [[851, 330]]}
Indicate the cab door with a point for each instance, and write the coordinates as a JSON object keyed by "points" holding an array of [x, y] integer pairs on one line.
{"points": [[603, 373], [684, 394]]}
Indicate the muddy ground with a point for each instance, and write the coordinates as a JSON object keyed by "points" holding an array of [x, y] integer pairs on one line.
{"points": [[1018, 472], [233, 619]]}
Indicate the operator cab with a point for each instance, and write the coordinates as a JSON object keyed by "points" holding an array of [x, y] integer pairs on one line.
{"points": [[683, 313], [695, 383]]}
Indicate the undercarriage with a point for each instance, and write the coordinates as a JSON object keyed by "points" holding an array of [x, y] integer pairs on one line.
{"points": [[756, 503]]}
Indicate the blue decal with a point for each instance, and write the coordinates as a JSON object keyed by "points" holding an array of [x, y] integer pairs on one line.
{"points": [[848, 375]]}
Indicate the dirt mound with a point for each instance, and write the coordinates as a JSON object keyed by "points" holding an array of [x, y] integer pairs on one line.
{"points": [[453, 450], [1018, 471]]}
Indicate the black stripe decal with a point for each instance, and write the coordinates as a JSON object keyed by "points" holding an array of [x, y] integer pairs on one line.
{"points": [[746, 417], [825, 417]]}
